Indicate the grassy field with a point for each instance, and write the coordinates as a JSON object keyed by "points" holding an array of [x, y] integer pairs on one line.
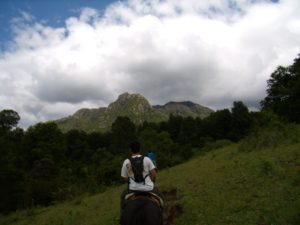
{"points": [[221, 187]]}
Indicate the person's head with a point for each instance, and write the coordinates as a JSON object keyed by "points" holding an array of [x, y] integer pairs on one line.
{"points": [[135, 147]]}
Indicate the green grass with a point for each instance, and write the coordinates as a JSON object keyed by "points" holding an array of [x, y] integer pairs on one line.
{"points": [[230, 187], [222, 187]]}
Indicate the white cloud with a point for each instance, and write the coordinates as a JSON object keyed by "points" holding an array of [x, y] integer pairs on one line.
{"points": [[211, 52]]}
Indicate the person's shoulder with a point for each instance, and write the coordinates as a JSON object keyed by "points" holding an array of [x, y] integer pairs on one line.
{"points": [[147, 159], [126, 161]]}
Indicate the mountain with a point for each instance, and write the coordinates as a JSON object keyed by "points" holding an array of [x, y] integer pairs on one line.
{"points": [[134, 106], [184, 109]]}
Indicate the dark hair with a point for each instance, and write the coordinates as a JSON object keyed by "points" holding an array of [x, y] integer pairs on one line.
{"points": [[135, 146]]}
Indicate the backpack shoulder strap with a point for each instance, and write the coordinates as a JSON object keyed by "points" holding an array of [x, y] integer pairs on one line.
{"points": [[132, 162], [131, 159]]}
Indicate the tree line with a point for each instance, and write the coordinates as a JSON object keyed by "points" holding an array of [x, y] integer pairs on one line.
{"points": [[43, 165]]}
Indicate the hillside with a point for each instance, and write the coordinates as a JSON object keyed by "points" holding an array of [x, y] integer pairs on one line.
{"points": [[134, 106], [220, 187]]}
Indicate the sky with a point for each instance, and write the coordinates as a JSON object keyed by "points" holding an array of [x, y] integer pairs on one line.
{"points": [[58, 56]]}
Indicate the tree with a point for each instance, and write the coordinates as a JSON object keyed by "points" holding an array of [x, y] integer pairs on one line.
{"points": [[77, 145], [8, 120], [219, 124], [241, 121], [188, 132], [283, 92], [11, 188], [44, 140], [11, 174], [173, 126], [123, 131], [44, 181], [97, 140], [167, 152]]}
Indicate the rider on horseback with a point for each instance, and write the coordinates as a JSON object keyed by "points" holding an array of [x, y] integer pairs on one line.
{"points": [[140, 173]]}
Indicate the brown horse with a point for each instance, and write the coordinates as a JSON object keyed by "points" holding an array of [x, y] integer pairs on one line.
{"points": [[141, 211]]}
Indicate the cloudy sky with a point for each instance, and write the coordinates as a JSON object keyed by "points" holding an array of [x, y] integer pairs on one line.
{"points": [[59, 56]]}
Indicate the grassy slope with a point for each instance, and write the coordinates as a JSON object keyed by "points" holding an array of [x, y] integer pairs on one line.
{"points": [[224, 186]]}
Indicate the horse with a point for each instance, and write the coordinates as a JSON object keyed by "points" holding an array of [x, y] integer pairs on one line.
{"points": [[141, 210]]}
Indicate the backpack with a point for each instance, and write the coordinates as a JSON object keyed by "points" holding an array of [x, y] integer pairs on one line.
{"points": [[137, 165]]}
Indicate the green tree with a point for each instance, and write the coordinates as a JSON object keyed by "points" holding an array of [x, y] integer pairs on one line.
{"points": [[188, 134], [44, 140], [12, 190], [219, 124], [8, 120], [173, 126], [98, 140], [167, 152], [241, 121], [43, 181], [106, 167], [283, 92], [123, 131], [77, 145], [11, 162], [11, 176]]}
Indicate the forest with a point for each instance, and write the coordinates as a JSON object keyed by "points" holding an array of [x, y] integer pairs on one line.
{"points": [[42, 165]]}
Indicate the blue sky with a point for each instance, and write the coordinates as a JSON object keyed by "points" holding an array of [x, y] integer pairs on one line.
{"points": [[62, 55], [52, 12]]}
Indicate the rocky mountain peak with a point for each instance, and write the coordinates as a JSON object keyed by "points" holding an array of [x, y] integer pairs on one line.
{"points": [[133, 102], [130, 97], [134, 106]]}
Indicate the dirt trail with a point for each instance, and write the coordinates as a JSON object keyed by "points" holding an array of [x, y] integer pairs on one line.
{"points": [[172, 208]]}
